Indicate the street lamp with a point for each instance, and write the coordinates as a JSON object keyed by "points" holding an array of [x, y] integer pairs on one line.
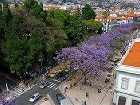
{"points": [[7, 87]]}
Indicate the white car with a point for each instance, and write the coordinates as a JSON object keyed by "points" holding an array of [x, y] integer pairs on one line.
{"points": [[44, 85], [34, 97]]}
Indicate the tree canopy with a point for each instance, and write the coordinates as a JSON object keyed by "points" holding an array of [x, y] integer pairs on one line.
{"points": [[88, 12], [28, 34]]}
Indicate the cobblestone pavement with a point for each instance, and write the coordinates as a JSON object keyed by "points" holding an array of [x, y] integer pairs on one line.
{"points": [[78, 94]]}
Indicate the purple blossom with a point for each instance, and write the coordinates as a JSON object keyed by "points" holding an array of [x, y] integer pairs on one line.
{"points": [[93, 55], [1, 101]]}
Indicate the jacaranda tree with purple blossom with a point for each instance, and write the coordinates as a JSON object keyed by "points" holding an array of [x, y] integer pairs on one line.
{"points": [[87, 58], [1, 100], [93, 56]]}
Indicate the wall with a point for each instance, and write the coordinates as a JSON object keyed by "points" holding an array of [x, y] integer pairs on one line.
{"points": [[129, 93], [132, 83]]}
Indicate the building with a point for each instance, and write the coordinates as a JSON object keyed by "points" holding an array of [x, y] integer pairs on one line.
{"points": [[116, 17], [48, 6], [70, 6], [127, 88]]}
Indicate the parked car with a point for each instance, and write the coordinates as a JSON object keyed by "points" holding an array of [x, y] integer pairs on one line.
{"points": [[55, 73], [59, 97], [43, 85], [34, 97], [61, 76]]}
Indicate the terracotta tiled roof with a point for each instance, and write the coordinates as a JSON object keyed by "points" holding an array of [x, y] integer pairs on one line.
{"points": [[99, 17], [131, 13], [111, 17], [125, 17], [133, 57]]}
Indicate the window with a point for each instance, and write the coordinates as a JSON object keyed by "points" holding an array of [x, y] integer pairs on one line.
{"points": [[137, 87], [122, 101], [134, 102], [125, 82]]}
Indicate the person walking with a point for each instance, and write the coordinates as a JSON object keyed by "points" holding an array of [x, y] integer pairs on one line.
{"points": [[66, 89], [85, 103], [82, 103], [87, 95], [76, 99], [23, 89]]}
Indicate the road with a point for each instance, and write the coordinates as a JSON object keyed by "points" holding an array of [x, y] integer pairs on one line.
{"points": [[51, 90], [3, 80]]}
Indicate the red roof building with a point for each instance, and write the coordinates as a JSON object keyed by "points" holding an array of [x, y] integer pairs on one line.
{"points": [[133, 57]]}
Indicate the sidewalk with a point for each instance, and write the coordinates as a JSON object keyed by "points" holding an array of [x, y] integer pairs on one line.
{"points": [[45, 101], [95, 98]]}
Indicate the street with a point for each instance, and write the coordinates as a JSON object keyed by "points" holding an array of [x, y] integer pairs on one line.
{"points": [[51, 90], [4, 79]]}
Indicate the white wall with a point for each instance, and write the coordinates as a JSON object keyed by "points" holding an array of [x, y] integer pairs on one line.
{"points": [[131, 85], [122, 21], [128, 98], [130, 93]]}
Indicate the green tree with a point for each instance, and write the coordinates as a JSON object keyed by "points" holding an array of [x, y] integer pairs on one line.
{"points": [[54, 40], [3, 1], [106, 13], [88, 12], [6, 13], [61, 15], [5, 16], [30, 34], [35, 9], [22, 45], [137, 19], [93, 26], [75, 30]]}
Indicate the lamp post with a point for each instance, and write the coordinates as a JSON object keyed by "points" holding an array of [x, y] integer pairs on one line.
{"points": [[7, 87]]}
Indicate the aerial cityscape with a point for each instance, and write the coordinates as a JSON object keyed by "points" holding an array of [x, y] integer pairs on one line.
{"points": [[69, 52]]}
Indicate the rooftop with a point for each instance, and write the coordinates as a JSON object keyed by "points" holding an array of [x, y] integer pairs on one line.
{"points": [[133, 57]]}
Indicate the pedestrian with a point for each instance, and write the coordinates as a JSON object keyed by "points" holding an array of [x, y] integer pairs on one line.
{"points": [[66, 89], [85, 103], [90, 84], [28, 86], [80, 87], [22, 89], [82, 103], [76, 99], [99, 90], [87, 95]]}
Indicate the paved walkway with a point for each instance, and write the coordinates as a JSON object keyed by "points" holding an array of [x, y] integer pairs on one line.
{"points": [[46, 103], [43, 102], [78, 94]]}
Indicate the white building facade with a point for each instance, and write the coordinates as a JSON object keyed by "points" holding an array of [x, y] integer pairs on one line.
{"points": [[127, 89]]}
